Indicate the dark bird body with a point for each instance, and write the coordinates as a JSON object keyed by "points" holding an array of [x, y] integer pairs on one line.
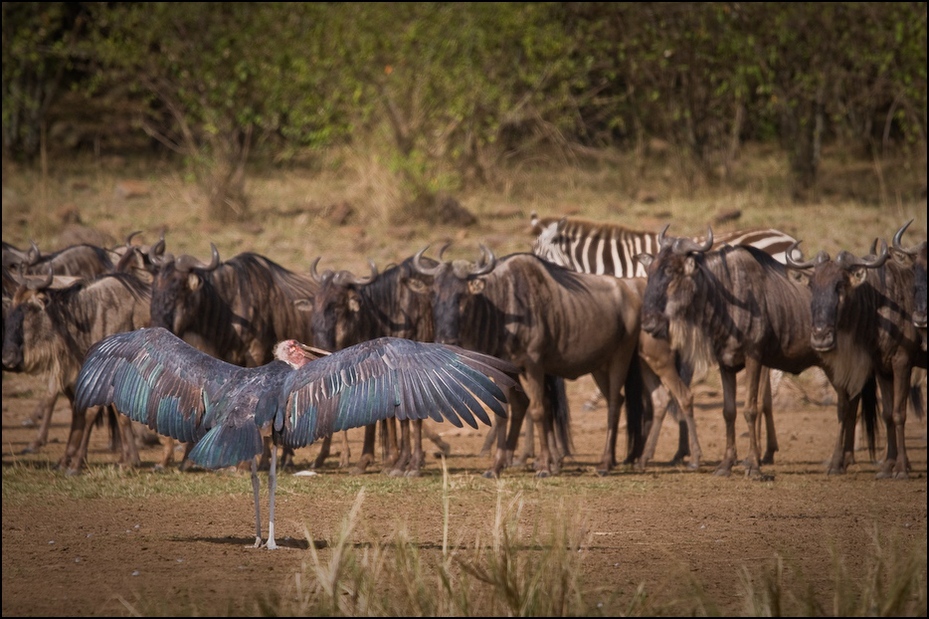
{"points": [[158, 379]]}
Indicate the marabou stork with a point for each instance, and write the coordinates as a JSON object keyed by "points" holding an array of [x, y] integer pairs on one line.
{"points": [[155, 378]]}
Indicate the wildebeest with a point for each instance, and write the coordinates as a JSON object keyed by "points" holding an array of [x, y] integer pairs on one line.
{"points": [[348, 309], [548, 320], [915, 258], [82, 260], [862, 322], [738, 307], [49, 330], [235, 310], [609, 248]]}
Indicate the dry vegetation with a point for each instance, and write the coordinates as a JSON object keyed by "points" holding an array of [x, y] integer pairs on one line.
{"points": [[668, 542]]}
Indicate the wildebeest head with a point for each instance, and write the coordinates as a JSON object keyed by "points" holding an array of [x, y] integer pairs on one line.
{"points": [[671, 288], [336, 307], [27, 319], [832, 283], [454, 283], [177, 289], [915, 258]]}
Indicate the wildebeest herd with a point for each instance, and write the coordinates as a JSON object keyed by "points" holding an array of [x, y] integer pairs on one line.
{"points": [[641, 312]]}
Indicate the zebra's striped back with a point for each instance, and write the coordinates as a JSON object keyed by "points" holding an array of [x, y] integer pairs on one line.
{"points": [[609, 249]]}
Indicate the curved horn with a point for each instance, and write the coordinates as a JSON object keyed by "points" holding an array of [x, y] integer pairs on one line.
{"points": [[795, 264], [847, 260], [662, 242], [314, 274], [131, 235], [487, 263], [898, 238], [156, 253], [686, 246], [422, 269], [363, 281], [187, 262], [32, 283], [34, 253]]}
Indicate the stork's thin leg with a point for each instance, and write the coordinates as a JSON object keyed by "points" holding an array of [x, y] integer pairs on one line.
{"points": [[257, 505], [272, 486]]}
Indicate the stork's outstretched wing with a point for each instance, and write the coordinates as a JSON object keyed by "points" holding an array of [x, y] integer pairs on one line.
{"points": [[392, 377], [155, 378]]}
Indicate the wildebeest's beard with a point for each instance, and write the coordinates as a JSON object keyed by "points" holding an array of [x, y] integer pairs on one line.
{"points": [[654, 304], [13, 341]]}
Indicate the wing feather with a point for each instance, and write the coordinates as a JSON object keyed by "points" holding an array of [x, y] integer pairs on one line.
{"points": [[155, 378], [392, 377]]}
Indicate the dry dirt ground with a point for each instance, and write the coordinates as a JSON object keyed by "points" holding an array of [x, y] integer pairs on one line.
{"points": [[666, 528]]}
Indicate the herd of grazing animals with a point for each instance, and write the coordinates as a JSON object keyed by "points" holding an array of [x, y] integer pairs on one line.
{"points": [[662, 306]]}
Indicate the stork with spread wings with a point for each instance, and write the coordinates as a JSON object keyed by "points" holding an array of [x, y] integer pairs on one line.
{"points": [[157, 379]]}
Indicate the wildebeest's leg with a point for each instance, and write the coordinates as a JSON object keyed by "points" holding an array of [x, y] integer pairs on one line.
{"points": [[535, 389], [660, 364], [614, 401], [417, 456], [345, 457], [767, 411], [508, 438], [491, 439], [167, 453], [661, 403], [130, 452], [367, 446], [325, 446], [43, 415], [847, 413], [528, 444], [894, 393], [399, 465], [444, 448], [753, 371], [727, 378]]}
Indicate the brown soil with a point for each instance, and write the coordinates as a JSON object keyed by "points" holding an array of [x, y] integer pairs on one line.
{"points": [[667, 528]]}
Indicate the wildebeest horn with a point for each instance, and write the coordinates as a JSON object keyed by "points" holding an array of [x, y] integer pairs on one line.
{"points": [[847, 260], [686, 246], [34, 253], [131, 235], [797, 264], [32, 282], [662, 242], [156, 253], [423, 269], [487, 263], [898, 238], [314, 274], [362, 281], [187, 262]]}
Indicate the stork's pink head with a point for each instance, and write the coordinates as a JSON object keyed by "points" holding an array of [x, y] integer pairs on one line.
{"points": [[296, 354]]}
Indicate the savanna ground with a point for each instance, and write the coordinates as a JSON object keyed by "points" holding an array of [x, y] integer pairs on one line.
{"points": [[666, 541]]}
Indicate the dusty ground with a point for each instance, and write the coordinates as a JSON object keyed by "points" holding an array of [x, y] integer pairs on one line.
{"points": [[70, 555]]}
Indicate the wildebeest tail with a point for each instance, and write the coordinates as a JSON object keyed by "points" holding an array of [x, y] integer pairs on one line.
{"points": [[561, 412], [639, 410]]}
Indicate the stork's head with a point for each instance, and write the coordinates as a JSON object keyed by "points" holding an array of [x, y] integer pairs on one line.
{"points": [[296, 354]]}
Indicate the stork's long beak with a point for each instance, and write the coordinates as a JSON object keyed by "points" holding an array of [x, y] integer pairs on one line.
{"points": [[312, 352]]}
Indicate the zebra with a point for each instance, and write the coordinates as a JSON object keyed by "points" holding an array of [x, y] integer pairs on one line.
{"points": [[607, 248]]}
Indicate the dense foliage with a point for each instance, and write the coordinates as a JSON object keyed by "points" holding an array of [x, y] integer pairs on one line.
{"points": [[447, 91]]}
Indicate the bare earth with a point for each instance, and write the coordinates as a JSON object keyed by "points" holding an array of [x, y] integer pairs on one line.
{"points": [[66, 554]]}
